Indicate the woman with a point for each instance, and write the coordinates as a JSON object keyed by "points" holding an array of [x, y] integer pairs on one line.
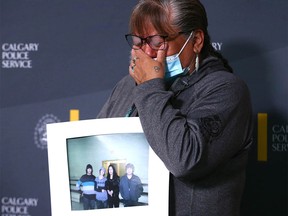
{"points": [[113, 187], [101, 189], [195, 113]]}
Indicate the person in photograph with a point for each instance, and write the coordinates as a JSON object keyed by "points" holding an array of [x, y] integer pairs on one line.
{"points": [[130, 187], [86, 184], [101, 189], [195, 112], [113, 187]]}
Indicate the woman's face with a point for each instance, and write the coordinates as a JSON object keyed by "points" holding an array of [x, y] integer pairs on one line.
{"points": [[102, 172], [110, 170], [174, 46]]}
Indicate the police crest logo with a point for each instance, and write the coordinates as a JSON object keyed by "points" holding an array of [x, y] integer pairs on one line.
{"points": [[40, 133]]}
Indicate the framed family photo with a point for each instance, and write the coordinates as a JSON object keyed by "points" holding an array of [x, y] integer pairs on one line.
{"points": [[100, 144]]}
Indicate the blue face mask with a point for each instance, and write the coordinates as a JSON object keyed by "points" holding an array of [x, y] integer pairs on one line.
{"points": [[173, 63]]}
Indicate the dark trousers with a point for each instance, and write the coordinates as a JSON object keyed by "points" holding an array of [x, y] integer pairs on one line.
{"points": [[113, 201], [88, 204], [128, 203], [101, 204]]}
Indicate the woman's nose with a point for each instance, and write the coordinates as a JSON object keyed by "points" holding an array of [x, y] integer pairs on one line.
{"points": [[149, 51]]}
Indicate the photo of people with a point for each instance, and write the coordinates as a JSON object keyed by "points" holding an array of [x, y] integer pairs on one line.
{"points": [[116, 171]]}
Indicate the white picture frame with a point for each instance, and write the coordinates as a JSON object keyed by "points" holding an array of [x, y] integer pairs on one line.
{"points": [[127, 129]]}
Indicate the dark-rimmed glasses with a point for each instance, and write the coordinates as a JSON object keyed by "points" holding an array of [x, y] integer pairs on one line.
{"points": [[154, 41]]}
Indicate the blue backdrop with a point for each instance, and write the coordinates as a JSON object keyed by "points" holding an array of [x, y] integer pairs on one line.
{"points": [[59, 55]]}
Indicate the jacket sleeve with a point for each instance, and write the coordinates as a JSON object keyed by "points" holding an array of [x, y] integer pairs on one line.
{"points": [[119, 100], [121, 190], [193, 140], [78, 184], [139, 188]]}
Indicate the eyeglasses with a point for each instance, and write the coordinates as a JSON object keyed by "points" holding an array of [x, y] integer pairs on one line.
{"points": [[154, 41]]}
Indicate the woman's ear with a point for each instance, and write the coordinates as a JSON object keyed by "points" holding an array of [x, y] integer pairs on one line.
{"points": [[198, 41]]}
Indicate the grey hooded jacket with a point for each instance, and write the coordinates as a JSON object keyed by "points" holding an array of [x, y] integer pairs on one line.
{"points": [[201, 128]]}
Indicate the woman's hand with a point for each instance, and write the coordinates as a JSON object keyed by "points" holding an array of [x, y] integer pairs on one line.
{"points": [[110, 192], [143, 68]]}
